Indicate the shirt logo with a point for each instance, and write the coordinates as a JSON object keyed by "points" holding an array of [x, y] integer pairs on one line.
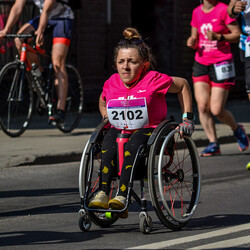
{"points": [[141, 91], [205, 27]]}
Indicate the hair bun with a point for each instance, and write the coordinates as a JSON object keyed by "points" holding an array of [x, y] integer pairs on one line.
{"points": [[130, 33]]}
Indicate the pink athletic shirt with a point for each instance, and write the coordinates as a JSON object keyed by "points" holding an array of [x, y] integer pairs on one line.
{"points": [[210, 52], [153, 86]]}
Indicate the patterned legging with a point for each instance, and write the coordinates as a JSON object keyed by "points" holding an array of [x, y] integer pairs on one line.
{"points": [[109, 160]]}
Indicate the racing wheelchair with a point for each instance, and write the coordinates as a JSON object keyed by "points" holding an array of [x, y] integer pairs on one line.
{"points": [[172, 168]]}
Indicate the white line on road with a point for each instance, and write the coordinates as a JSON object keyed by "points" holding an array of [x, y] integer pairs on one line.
{"points": [[225, 243], [169, 243]]}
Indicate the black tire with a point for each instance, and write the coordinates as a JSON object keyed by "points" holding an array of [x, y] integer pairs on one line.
{"points": [[84, 223], [174, 177], [74, 101], [146, 225], [99, 219], [16, 99]]}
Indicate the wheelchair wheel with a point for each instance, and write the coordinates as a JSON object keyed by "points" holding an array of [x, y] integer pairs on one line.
{"points": [[92, 153], [174, 177]]}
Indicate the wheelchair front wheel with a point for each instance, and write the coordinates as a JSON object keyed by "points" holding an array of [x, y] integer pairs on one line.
{"points": [[174, 177]]}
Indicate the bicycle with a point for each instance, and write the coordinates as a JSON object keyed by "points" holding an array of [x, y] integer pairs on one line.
{"points": [[19, 83]]}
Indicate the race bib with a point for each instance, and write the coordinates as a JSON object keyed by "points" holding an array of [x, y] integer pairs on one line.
{"points": [[224, 70], [128, 114], [247, 51]]}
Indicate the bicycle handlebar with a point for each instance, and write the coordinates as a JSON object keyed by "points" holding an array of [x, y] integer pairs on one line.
{"points": [[25, 36], [20, 35]]}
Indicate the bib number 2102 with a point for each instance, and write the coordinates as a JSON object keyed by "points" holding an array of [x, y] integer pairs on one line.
{"points": [[130, 115]]}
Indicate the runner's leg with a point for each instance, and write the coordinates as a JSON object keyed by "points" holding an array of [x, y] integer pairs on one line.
{"points": [[218, 100], [202, 92]]}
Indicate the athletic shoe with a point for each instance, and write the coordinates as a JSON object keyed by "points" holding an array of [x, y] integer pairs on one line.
{"points": [[242, 138], [58, 117], [100, 200], [248, 166], [118, 203], [213, 148]]}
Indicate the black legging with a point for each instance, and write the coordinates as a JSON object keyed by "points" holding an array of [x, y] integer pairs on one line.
{"points": [[109, 160]]}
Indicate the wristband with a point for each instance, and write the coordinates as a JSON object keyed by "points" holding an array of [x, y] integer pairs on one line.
{"points": [[188, 115], [235, 14]]}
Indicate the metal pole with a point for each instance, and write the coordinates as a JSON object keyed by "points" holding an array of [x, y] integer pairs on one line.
{"points": [[108, 11]]}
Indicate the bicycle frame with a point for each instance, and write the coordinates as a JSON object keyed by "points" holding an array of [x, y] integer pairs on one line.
{"points": [[23, 56], [25, 76]]}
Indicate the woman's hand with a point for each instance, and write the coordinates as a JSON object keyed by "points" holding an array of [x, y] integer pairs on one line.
{"points": [[192, 42], [186, 128], [212, 36]]}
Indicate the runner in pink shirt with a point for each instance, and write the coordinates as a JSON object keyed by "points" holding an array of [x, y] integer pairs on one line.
{"points": [[133, 100], [213, 72]]}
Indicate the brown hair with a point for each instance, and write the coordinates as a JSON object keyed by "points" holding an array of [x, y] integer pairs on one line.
{"points": [[133, 39]]}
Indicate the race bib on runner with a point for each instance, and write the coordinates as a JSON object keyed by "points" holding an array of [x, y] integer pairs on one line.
{"points": [[224, 70], [128, 114], [247, 51]]}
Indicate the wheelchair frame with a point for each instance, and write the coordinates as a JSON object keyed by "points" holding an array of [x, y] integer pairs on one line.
{"points": [[172, 165]]}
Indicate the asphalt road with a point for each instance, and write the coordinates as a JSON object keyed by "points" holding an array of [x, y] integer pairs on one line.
{"points": [[39, 210]]}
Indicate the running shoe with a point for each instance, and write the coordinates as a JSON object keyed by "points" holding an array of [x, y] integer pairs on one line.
{"points": [[58, 117], [242, 138], [100, 200], [213, 148], [118, 203], [248, 166]]}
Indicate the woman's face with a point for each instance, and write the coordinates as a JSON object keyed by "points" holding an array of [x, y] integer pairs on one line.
{"points": [[130, 65]]}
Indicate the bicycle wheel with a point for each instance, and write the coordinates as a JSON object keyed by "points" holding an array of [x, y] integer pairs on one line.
{"points": [[99, 219], [74, 101], [174, 177], [16, 99]]}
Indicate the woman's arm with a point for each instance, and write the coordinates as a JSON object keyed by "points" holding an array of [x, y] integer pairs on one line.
{"points": [[181, 87], [13, 17], [235, 7], [232, 37], [47, 7], [102, 107], [192, 40]]}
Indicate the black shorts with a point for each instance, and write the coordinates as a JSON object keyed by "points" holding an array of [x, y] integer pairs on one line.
{"points": [[206, 73]]}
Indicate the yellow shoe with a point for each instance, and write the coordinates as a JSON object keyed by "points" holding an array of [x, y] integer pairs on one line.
{"points": [[100, 200], [248, 166], [118, 203]]}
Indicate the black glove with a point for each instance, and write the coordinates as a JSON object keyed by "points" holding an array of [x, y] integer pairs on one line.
{"points": [[187, 127]]}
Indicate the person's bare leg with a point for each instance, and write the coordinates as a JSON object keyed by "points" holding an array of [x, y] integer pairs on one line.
{"points": [[59, 55], [202, 95], [26, 29], [218, 101]]}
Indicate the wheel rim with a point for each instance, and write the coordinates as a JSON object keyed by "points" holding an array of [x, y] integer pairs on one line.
{"points": [[179, 181], [15, 102]]}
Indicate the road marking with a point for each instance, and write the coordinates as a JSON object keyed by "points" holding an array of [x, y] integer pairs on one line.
{"points": [[169, 243], [225, 243]]}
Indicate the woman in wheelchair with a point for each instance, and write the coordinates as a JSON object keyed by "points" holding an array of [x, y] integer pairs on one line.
{"points": [[133, 100]]}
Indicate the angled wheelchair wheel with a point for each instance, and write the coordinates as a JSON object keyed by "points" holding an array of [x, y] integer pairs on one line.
{"points": [[174, 177], [89, 179]]}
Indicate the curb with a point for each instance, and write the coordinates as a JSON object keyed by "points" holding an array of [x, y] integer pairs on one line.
{"points": [[76, 157]]}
